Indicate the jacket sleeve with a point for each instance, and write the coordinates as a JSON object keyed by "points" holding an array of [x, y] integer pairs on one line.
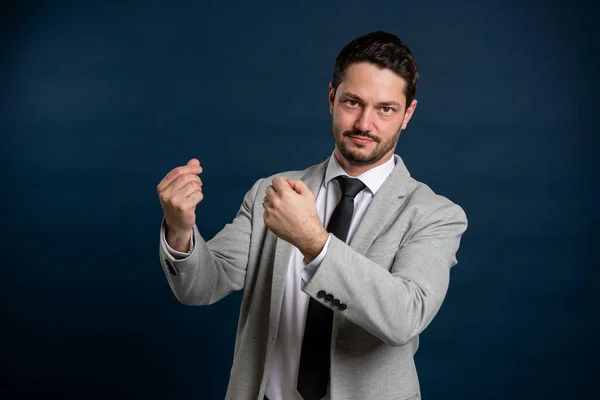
{"points": [[214, 268], [398, 304]]}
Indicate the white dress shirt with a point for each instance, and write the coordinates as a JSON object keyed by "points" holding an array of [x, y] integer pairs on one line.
{"points": [[283, 369]]}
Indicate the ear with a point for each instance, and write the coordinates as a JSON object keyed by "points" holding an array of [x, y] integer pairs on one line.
{"points": [[409, 113], [331, 98]]}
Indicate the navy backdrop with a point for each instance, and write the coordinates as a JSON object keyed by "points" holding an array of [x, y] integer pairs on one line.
{"points": [[100, 101]]}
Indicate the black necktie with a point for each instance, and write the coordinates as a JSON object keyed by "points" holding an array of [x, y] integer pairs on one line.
{"points": [[313, 372]]}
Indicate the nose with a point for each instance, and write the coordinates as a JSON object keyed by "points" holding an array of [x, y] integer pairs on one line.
{"points": [[364, 123]]}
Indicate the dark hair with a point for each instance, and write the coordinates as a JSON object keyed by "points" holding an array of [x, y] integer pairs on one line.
{"points": [[385, 50]]}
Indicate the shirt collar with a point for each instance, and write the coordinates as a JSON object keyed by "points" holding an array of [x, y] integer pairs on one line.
{"points": [[372, 178]]}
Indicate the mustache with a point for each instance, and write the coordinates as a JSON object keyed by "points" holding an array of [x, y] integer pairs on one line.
{"points": [[356, 132]]}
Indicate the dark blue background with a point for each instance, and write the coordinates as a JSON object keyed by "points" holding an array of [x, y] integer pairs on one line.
{"points": [[100, 101]]}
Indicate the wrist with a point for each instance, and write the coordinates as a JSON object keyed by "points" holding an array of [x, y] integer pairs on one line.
{"points": [[179, 240], [315, 245]]}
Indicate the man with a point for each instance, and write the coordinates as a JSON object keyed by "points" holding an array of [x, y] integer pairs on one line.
{"points": [[343, 264]]}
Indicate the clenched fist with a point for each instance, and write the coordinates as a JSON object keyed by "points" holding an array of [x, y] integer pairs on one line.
{"points": [[291, 214], [179, 192]]}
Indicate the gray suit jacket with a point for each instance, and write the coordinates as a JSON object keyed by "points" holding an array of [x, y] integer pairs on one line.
{"points": [[392, 276]]}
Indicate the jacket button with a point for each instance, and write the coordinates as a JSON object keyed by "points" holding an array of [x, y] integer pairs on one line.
{"points": [[329, 297], [342, 306], [335, 302], [321, 294]]}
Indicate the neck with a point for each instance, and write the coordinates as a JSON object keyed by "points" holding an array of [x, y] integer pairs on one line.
{"points": [[357, 169]]}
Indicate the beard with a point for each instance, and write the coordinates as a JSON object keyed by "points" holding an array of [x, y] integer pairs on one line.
{"points": [[356, 157]]}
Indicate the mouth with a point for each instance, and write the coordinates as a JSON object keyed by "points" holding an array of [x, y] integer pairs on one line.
{"points": [[360, 140]]}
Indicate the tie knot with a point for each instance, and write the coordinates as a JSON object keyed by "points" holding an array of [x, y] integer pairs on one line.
{"points": [[350, 186]]}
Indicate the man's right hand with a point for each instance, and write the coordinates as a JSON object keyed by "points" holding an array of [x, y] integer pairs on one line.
{"points": [[179, 192]]}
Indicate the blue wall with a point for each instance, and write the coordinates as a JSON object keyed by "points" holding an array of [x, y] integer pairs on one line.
{"points": [[100, 101]]}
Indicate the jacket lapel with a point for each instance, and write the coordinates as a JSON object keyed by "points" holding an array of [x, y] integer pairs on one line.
{"points": [[383, 207], [313, 179]]}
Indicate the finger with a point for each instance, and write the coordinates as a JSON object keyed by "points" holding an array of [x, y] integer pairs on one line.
{"points": [[192, 200], [188, 189], [175, 173], [172, 191], [298, 186], [280, 184], [271, 194], [181, 199], [181, 181], [193, 162]]}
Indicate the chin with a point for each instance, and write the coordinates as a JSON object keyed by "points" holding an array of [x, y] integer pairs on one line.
{"points": [[359, 156]]}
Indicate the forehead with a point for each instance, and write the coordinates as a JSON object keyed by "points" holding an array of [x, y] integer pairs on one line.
{"points": [[372, 83]]}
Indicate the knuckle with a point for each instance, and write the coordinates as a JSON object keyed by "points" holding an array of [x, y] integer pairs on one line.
{"points": [[183, 179], [179, 178], [163, 197], [191, 187], [175, 203], [189, 178]]}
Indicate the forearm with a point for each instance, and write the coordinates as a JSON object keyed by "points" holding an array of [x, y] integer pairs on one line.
{"points": [[397, 301], [386, 305], [201, 278], [217, 267]]}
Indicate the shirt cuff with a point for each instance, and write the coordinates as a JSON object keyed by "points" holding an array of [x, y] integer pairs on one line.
{"points": [[309, 269], [179, 254]]}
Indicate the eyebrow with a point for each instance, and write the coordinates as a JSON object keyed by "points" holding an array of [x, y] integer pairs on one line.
{"points": [[381, 103]]}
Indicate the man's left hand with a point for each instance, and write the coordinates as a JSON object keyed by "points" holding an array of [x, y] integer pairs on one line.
{"points": [[291, 214]]}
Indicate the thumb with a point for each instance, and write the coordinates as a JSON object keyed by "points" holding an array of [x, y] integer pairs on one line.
{"points": [[299, 187], [193, 161]]}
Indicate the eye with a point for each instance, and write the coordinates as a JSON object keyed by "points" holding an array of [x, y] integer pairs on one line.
{"points": [[351, 103], [387, 110]]}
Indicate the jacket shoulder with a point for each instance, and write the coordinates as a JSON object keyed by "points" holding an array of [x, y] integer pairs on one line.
{"points": [[425, 201], [292, 174]]}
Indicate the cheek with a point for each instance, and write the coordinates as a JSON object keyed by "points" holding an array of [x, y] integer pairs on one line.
{"points": [[392, 127], [342, 119]]}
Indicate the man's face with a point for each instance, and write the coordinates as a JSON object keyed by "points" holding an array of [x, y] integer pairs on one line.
{"points": [[368, 111]]}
